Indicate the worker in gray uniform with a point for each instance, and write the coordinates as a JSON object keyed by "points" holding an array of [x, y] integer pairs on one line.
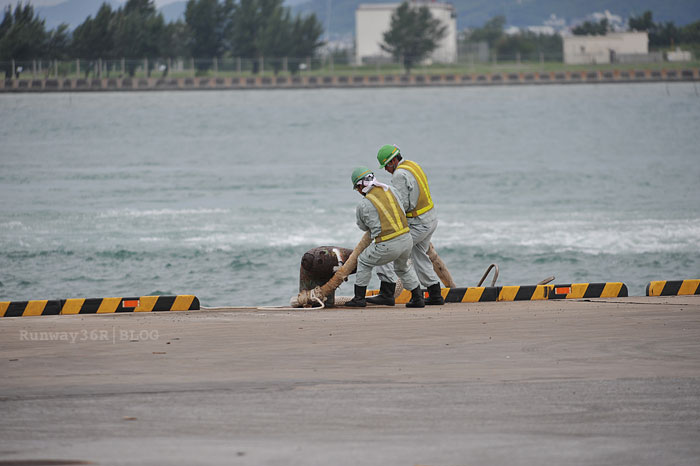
{"points": [[411, 184], [380, 213]]}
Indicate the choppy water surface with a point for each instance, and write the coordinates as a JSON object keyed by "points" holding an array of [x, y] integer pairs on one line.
{"points": [[219, 194]]}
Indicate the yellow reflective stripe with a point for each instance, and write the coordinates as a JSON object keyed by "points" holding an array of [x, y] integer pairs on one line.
{"points": [[422, 180], [394, 223], [394, 235], [395, 208], [3, 308], [379, 205], [416, 213]]}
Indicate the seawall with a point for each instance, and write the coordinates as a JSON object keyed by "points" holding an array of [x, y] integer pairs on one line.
{"points": [[344, 81]]}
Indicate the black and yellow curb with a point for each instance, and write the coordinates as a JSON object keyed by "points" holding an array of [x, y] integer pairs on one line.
{"points": [[524, 293], [65, 84], [673, 287], [53, 307]]}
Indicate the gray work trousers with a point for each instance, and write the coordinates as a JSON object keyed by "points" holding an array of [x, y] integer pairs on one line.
{"points": [[396, 251], [422, 264]]}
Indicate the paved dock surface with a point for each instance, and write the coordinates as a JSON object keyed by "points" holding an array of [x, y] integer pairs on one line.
{"points": [[585, 382]]}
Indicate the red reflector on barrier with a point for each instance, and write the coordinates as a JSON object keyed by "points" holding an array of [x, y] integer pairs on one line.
{"points": [[130, 303], [562, 290]]}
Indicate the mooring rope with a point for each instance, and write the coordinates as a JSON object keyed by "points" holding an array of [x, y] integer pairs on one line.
{"points": [[440, 268]]}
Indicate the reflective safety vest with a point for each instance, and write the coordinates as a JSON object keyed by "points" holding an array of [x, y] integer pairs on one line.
{"points": [[425, 202], [391, 216]]}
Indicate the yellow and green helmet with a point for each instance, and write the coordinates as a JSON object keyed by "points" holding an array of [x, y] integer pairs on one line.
{"points": [[359, 173], [386, 153]]}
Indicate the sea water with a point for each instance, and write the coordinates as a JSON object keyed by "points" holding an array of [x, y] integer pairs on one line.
{"points": [[220, 193]]}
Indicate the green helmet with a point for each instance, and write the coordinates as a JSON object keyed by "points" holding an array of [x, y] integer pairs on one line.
{"points": [[358, 174], [386, 153]]}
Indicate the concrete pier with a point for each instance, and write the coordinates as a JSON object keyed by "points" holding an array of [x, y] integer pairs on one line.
{"points": [[345, 81], [599, 381]]}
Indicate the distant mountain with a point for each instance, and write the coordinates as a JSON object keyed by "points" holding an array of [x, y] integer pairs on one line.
{"points": [[74, 12], [71, 12], [470, 13], [174, 11], [521, 13]]}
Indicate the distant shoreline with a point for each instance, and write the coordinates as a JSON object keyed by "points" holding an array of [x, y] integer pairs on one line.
{"points": [[333, 81]]}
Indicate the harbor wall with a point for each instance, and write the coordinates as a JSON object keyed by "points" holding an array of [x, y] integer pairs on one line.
{"points": [[344, 81]]}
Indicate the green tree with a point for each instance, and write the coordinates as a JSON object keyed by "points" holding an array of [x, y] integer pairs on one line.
{"points": [[511, 45], [413, 34], [690, 33], [589, 28], [305, 39], [207, 22], [58, 43], [529, 45], [275, 32], [23, 36], [95, 38], [660, 34], [664, 35], [491, 32], [138, 33], [245, 28], [643, 22], [264, 28], [176, 40]]}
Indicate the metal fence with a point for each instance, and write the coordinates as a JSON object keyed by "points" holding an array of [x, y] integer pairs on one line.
{"points": [[339, 63], [333, 64]]}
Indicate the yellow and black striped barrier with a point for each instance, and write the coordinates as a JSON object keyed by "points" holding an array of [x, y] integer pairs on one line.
{"points": [[673, 288], [52, 307], [524, 293]]}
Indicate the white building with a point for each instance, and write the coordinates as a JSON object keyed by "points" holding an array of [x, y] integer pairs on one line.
{"points": [[612, 47], [373, 20], [679, 55]]}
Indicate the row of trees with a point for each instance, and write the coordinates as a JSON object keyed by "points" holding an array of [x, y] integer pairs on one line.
{"points": [[528, 43], [211, 29], [524, 43], [660, 34]]}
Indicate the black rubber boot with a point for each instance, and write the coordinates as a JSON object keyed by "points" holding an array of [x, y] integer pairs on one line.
{"points": [[385, 296], [434, 296], [359, 299], [416, 298]]}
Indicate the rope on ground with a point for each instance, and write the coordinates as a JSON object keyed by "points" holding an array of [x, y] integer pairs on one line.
{"points": [[225, 308], [283, 308]]}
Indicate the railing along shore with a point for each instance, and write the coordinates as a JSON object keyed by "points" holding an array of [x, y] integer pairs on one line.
{"points": [[340, 81]]}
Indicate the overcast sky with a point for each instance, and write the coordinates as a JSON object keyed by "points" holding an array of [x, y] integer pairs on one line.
{"points": [[4, 3]]}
